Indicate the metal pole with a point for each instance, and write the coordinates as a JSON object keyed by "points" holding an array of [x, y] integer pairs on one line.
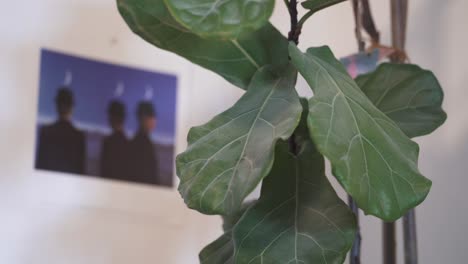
{"points": [[389, 243], [399, 24], [410, 238], [355, 255], [398, 41], [399, 9]]}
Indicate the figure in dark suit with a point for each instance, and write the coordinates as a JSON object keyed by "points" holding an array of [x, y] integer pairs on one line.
{"points": [[144, 159], [115, 147], [61, 146]]}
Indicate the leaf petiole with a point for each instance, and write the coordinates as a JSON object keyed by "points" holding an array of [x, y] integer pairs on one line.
{"points": [[304, 18]]}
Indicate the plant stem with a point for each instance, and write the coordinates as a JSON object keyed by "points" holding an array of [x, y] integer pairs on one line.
{"points": [[368, 22], [305, 17], [293, 35], [358, 21], [295, 30]]}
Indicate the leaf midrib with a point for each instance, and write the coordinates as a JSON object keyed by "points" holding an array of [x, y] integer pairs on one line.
{"points": [[237, 45], [337, 87], [260, 111], [297, 203], [248, 134], [212, 8]]}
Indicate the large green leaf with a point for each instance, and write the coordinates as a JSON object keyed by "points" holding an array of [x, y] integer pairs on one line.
{"points": [[235, 60], [227, 157], [221, 19], [371, 157], [410, 96], [221, 250], [229, 221], [298, 219], [317, 5]]}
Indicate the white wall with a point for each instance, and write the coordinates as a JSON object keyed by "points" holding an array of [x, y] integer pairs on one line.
{"points": [[48, 218]]}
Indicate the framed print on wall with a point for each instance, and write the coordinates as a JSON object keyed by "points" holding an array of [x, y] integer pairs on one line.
{"points": [[105, 120]]}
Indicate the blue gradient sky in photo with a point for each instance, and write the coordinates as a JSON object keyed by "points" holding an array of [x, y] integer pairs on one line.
{"points": [[96, 83]]}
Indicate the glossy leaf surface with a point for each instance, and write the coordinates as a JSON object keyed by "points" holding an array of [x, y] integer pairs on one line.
{"points": [[371, 157], [410, 96], [298, 219], [227, 157], [317, 5], [221, 19], [235, 60]]}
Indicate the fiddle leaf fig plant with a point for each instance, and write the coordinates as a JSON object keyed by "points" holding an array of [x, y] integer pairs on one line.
{"points": [[228, 157], [411, 97], [222, 19], [235, 59], [375, 162], [298, 218], [273, 138]]}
